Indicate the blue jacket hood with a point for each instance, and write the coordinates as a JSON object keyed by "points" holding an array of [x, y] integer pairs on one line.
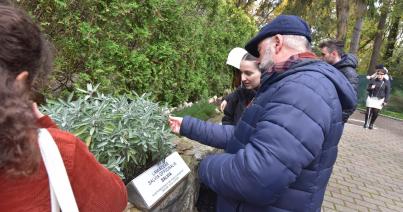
{"points": [[345, 90]]}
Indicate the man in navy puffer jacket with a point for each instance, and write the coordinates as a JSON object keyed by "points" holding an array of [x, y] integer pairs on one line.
{"points": [[280, 155]]}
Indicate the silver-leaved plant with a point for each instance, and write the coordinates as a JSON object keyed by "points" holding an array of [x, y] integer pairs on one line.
{"points": [[127, 133]]}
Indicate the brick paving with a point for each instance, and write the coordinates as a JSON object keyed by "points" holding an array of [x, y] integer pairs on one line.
{"points": [[368, 174]]}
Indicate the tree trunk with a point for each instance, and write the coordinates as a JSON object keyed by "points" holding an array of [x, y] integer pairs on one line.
{"points": [[393, 32], [355, 37], [378, 38], [342, 8], [240, 3]]}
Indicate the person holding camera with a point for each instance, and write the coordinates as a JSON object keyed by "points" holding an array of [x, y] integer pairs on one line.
{"points": [[378, 96]]}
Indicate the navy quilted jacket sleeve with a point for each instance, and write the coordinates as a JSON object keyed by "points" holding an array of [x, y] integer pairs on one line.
{"points": [[206, 133]]}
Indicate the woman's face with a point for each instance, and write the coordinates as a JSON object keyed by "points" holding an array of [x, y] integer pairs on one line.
{"points": [[380, 75], [250, 74]]}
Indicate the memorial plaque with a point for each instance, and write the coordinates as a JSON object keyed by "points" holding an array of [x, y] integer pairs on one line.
{"points": [[157, 181]]}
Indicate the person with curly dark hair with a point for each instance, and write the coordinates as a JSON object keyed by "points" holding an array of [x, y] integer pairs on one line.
{"points": [[24, 185]]}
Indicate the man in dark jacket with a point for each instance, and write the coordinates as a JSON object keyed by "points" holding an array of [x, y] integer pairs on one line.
{"points": [[332, 52], [280, 155]]}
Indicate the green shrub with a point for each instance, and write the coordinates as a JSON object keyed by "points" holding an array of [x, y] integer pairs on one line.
{"points": [[173, 49], [201, 110], [127, 133]]}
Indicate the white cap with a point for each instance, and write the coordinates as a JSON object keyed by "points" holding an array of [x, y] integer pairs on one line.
{"points": [[235, 57]]}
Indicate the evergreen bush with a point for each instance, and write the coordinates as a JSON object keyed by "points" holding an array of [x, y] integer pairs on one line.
{"points": [[174, 49], [201, 110]]}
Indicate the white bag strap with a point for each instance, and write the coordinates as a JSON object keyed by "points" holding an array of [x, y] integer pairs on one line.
{"points": [[58, 180]]}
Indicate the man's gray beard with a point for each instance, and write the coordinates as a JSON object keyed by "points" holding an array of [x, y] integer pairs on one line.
{"points": [[266, 65], [267, 61]]}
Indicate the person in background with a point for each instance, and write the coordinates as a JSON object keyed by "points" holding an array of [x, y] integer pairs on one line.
{"points": [[378, 96], [280, 154], [387, 77], [24, 184], [235, 103], [332, 52]]}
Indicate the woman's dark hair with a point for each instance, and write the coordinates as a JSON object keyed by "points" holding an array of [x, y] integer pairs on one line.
{"points": [[249, 57], [381, 70], [23, 48]]}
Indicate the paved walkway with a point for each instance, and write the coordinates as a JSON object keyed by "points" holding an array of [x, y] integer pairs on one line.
{"points": [[368, 174]]}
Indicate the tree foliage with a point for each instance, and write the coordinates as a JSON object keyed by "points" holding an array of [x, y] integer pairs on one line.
{"points": [[362, 20], [176, 49], [173, 49]]}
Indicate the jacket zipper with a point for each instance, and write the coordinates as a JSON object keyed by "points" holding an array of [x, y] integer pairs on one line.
{"points": [[379, 89]]}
